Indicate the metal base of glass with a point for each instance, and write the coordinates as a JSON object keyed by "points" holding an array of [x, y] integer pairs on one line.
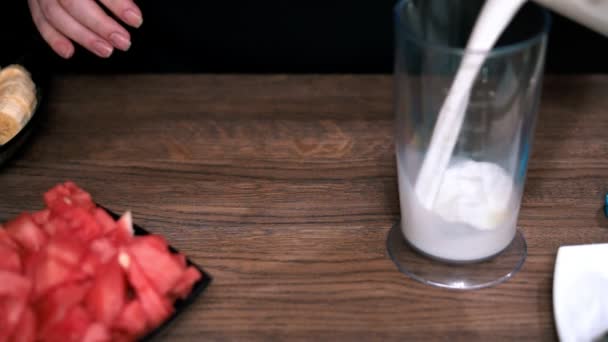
{"points": [[456, 276]]}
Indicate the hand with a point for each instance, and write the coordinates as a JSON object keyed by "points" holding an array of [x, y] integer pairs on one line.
{"points": [[83, 21]]}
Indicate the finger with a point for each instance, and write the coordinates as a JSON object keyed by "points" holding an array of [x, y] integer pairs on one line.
{"points": [[57, 41], [89, 14], [66, 24], [126, 10]]}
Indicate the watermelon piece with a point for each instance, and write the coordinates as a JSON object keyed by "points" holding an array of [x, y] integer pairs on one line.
{"points": [[50, 273], [186, 282], [82, 224], [104, 248], [131, 319], [14, 285], [12, 309], [153, 240], [160, 267], [123, 233], [26, 233], [54, 306], [157, 308], [91, 264], [97, 332], [63, 197], [65, 250], [6, 240], [9, 259], [41, 217], [72, 327], [107, 297], [135, 275], [181, 260], [104, 220], [121, 336], [26, 328]]}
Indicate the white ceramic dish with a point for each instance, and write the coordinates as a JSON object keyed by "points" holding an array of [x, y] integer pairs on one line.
{"points": [[580, 292]]}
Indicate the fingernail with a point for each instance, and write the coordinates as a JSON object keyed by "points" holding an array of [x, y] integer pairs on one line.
{"points": [[120, 41], [133, 18], [65, 51], [102, 49]]}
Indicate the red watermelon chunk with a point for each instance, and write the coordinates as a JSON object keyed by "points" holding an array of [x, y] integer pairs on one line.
{"points": [[65, 250], [104, 220], [26, 328], [14, 285], [10, 259], [108, 295], [130, 319], [11, 309], [97, 332], [26, 233], [160, 267], [135, 275], [41, 217], [104, 248], [6, 240], [72, 327], [123, 232], [54, 306], [157, 308], [49, 273], [63, 197], [185, 282]]}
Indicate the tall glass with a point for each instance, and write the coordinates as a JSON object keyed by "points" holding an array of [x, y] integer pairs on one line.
{"points": [[473, 219]]}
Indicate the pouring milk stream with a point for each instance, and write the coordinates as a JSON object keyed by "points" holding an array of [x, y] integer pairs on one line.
{"points": [[438, 182]]}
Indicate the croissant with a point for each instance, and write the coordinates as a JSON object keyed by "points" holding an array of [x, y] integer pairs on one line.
{"points": [[17, 100]]}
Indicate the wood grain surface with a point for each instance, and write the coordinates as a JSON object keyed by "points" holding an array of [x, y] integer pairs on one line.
{"points": [[284, 189]]}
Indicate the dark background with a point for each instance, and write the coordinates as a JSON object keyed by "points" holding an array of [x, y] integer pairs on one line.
{"points": [[331, 36]]}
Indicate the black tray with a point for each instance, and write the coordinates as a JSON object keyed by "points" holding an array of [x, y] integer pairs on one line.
{"points": [[181, 304]]}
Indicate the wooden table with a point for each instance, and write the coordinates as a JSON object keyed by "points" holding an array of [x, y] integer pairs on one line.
{"points": [[284, 189]]}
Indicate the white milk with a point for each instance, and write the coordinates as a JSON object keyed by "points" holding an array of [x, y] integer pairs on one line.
{"points": [[474, 217]]}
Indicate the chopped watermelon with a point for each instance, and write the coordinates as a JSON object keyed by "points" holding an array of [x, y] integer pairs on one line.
{"points": [[130, 319], [157, 308], [26, 232], [12, 309], [104, 220], [65, 250], [26, 328], [56, 304], [70, 272], [186, 282], [72, 327], [63, 197], [97, 332], [6, 240], [160, 267], [108, 295], [41, 217], [51, 272], [14, 285], [123, 233], [9, 259]]}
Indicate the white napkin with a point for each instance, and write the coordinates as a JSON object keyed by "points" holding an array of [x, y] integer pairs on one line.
{"points": [[580, 292]]}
